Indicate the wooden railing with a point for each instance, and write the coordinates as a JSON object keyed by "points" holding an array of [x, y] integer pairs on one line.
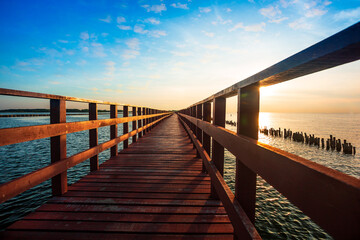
{"points": [[329, 197], [143, 120]]}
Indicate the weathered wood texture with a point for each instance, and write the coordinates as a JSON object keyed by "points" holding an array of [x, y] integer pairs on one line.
{"points": [[153, 189]]}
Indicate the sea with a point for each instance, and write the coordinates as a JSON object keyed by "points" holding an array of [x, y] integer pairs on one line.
{"points": [[276, 217]]}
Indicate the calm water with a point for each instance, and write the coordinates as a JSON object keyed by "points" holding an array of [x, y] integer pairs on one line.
{"points": [[276, 218]]}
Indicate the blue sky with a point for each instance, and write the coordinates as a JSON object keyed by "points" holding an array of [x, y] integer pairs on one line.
{"points": [[170, 54]]}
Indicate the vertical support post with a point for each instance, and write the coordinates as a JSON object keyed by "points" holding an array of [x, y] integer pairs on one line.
{"points": [[247, 124], [206, 138], [219, 108], [134, 124], [113, 130], [198, 130], [126, 125], [144, 120], [147, 120], [58, 145], [93, 136], [139, 122]]}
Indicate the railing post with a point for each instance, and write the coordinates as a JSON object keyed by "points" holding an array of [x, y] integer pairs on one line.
{"points": [[198, 130], [113, 130], [58, 145], [219, 108], [144, 120], [93, 136], [148, 119], [126, 125], [247, 124], [139, 122], [206, 138], [134, 124]]}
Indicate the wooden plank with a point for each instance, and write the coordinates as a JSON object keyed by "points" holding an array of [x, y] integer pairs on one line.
{"points": [[315, 184], [61, 235], [126, 217]]}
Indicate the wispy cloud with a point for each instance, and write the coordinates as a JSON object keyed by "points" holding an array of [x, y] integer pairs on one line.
{"points": [[107, 19], [120, 20], [84, 35], [209, 34], [152, 21], [29, 65], [130, 54], [110, 68], [140, 29], [133, 43], [98, 50], [314, 12], [81, 62], [273, 14], [63, 41], [204, 9], [260, 27], [181, 54], [349, 14], [55, 82], [155, 8], [300, 24], [179, 5], [104, 34], [124, 27], [157, 33]]}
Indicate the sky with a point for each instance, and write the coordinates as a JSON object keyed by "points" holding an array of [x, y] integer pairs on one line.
{"points": [[171, 54]]}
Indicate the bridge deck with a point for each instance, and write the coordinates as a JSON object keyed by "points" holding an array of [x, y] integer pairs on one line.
{"points": [[153, 189]]}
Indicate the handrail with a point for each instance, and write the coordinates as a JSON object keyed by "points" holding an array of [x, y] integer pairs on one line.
{"points": [[306, 184], [340, 48], [143, 120], [19, 93], [24, 134], [243, 227], [19, 185], [329, 197]]}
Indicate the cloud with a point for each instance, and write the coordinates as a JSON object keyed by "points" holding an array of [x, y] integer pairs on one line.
{"points": [[300, 24], [349, 14], [140, 29], [250, 28], [220, 20], [84, 35], [107, 19], [270, 12], [55, 83], [157, 33], [104, 34], [209, 34], [110, 68], [179, 5], [155, 8], [314, 12], [228, 10], [133, 43], [81, 62], [278, 20], [85, 49], [98, 50], [124, 27], [152, 21], [130, 54], [63, 41], [181, 54], [204, 9], [120, 20], [29, 65]]}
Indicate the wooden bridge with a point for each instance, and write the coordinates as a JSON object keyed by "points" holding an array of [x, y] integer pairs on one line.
{"points": [[168, 183]]}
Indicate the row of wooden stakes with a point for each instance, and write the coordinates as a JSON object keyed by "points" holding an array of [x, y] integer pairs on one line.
{"points": [[331, 143]]}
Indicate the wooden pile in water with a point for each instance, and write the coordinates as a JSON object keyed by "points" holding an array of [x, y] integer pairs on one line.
{"points": [[331, 143]]}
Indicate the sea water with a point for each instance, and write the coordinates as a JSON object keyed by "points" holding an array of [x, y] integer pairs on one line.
{"points": [[276, 217]]}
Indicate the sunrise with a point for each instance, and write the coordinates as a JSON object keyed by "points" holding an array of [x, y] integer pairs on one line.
{"points": [[159, 119]]}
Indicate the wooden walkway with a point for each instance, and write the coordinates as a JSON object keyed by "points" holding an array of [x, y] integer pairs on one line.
{"points": [[153, 190]]}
